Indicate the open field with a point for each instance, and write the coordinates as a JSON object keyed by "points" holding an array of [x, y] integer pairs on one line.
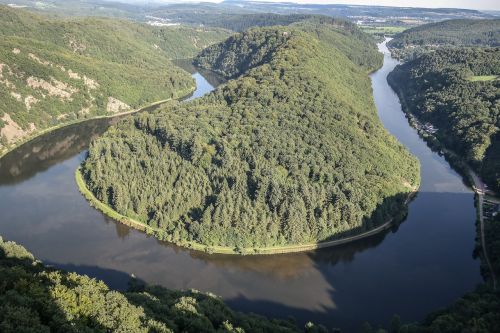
{"points": [[384, 30], [482, 78]]}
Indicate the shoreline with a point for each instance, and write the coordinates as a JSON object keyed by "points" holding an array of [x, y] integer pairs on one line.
{"points": [[190, 245], [78, 121], [468, 174]]}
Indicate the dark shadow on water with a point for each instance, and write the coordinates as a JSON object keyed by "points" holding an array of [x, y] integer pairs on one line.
{"points": [[114, 279], [49, 149]]}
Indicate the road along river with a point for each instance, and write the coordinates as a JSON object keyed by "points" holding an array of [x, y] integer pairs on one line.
{"points": [[419, 267]]}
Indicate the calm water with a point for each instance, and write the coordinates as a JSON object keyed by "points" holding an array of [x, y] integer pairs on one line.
{"points": [[423, 265]]}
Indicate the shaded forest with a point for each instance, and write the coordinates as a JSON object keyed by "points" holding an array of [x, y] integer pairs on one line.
{"points": [[35, 298], [290, 152], [439, 87]]}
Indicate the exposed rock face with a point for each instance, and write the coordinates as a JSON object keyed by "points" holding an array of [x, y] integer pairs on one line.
{"points": [[40, 61], [3, 80], [17, 96], [56, 88], [12, 131], [115, 105], [91, 84], [29, 101], [73, 75]]}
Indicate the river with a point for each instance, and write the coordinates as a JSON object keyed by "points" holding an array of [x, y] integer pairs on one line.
{"points": [[424, 264]]}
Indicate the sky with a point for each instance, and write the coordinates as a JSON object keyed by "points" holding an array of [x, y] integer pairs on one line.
{"points": [[473, 4]]}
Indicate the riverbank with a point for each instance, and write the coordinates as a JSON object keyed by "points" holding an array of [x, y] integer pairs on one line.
{"points": [[183, 94], [468, 175], [110, 212]]}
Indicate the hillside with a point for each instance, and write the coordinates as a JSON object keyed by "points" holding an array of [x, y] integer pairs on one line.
{"points": [[457, 91], [452, 33], [36, 298], [289, 152], [231, 58], [57, 71]]}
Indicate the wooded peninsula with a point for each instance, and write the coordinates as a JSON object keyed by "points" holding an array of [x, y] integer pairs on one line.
{"points": [[289, 151]]}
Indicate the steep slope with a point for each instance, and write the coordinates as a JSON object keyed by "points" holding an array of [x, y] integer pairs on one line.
{"points": [[456, 33], [457, 91], [289, 152], [232, 57], [57, 71], [35, 298]]}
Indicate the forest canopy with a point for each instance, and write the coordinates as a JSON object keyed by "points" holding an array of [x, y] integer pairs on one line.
{"points": [[291, 151], [35, 298], [450, 33], [55, 71], [442, 88]]}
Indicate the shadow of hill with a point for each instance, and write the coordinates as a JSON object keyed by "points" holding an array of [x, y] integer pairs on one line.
{"points": [[49, 149], [115, 280], [426, 267]]}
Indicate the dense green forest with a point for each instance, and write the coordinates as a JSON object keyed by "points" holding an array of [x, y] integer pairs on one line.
{"points": [[438, 88], [229, 19], [346, 37], [290, 152], [54, 71], [38, 299], [453, 33]]}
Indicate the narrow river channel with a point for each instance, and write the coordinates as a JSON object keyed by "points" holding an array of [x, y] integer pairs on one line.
{"points": [[423, 265]]}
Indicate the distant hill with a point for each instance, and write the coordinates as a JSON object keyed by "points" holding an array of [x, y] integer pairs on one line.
{"points": [[54, 71], [288, 152], [452, 33]]}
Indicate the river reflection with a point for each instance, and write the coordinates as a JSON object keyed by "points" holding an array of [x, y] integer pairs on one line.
{"points": [[423, 265]]}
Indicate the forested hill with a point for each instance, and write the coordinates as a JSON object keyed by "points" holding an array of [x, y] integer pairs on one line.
{"points": [[457, 90], [290, 152], [236, 55], [35, 298], [229, 20], [54, 71], [456, 33]]}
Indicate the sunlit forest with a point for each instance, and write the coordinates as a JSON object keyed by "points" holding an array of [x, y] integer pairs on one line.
{"points": [[291, 151], [58, 70], [39, 299]]}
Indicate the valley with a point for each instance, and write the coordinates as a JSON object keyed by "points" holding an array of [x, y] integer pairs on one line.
{"points": [[248, 167]]}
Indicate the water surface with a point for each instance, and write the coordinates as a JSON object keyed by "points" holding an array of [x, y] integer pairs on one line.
{"points": [[419, 267]]}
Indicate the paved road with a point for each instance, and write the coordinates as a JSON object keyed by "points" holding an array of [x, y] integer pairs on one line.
{"points": [[479, 188]]}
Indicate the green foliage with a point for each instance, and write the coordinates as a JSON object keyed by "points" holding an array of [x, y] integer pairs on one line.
{"points": [[290, 152], [436, 89], [35, 298], [230, 20], [235, 56], [475, 312], [492, 240], [452, 33], [126, 61]]}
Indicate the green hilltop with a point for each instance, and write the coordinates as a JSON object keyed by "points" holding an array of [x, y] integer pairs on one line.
{"points": [[290, 151]]}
